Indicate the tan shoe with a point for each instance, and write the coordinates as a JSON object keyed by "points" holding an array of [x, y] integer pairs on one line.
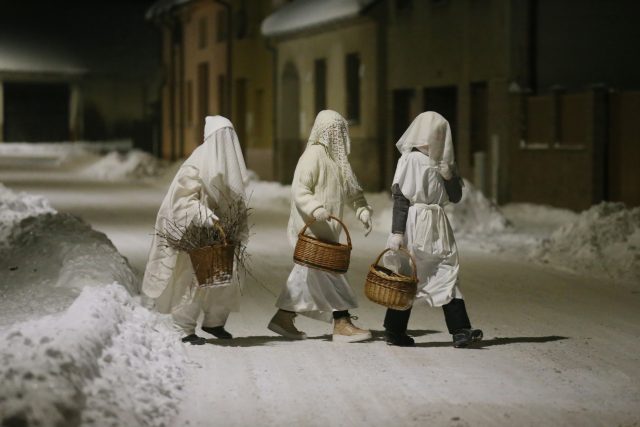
{"points": [[282, 324], [345, 331]]}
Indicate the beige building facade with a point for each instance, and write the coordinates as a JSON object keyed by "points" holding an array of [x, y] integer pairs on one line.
{"points": [[215, 62], [329, 64]]}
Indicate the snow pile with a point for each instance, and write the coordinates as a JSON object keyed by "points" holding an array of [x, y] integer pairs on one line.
{"points": [[14, 207], [474, 214], [116, 166], [535, 219], [49, 259], [105, 361], [603, 241], [75, 346]]}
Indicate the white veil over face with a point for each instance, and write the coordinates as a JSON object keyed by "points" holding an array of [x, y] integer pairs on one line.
{"points": [[331, 130], [219, 159], [429, 129]]}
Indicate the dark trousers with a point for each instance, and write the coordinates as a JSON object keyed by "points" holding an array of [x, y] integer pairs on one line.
{"points": [[455, 314]]}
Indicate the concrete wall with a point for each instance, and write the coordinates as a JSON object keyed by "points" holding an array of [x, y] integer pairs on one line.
{"points": [[358, 36]]}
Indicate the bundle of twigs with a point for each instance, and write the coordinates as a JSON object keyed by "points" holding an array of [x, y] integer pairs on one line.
{"points": [[233, 218]]}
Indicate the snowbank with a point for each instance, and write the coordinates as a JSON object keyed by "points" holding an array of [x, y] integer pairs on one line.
{"points": [[116, 166], [78, 153], [49, 258], [603, 241], [14, 207], [474, 214], [105, 361], [75, 346]]}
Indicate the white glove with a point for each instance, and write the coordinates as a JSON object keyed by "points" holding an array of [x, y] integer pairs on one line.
{"points": [[365, 218], [321, 214], [445, 170], [395, 241]]}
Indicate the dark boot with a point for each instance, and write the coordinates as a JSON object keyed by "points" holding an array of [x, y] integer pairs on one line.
{"points": [[458, 324], [395, 325], [464, 337], [193, 339], [218, 331]]}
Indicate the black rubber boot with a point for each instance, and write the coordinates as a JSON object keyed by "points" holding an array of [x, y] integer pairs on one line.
{"points": [[465, 337], [193, 339], [455, 314], [395, 325], [218, 331]]}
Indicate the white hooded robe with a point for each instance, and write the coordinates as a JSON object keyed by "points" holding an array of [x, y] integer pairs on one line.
{"points": [[214, 173]]}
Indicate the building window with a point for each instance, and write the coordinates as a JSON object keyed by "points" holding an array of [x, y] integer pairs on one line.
{"points": [[202, 33], [222, 95], [242, 24], [203, 91], [221, 21], [320, 81], [353, 87]]}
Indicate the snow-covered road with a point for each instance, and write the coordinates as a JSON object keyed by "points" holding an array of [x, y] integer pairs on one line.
{"points": [[560, 349]]}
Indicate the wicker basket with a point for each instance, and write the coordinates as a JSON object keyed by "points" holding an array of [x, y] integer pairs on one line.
{"points": [[213, 264], [322, 255], [390, 289]]}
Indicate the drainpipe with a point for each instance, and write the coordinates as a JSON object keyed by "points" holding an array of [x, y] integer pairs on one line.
{"points": [[227, 6]]}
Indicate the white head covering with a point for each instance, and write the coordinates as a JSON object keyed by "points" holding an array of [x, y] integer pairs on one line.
{"points": [[431, 129], [219, 159], [332, 130]]}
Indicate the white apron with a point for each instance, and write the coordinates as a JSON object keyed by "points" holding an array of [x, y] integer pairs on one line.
{"points": [[428, 235]]}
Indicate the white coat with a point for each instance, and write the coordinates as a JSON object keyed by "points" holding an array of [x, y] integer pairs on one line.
{"points": [[319, 182], [214, 171]]}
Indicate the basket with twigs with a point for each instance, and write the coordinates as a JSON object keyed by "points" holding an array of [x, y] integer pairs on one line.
{"points": [[212, 246], [321, 254], [391, 289]]}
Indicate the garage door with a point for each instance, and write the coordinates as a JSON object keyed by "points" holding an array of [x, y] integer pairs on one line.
{"points": [[36, 112]]}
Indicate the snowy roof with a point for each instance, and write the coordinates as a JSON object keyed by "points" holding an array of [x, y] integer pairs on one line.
{"points": [[32, 57], [163, 6], [302, 15]]}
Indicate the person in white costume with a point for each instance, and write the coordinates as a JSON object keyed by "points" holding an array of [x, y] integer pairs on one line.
{"points": [[323, 184], [425, 180], [212, 176]]}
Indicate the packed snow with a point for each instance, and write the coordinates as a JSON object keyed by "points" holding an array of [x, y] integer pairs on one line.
{"points": [[130, 165], [570, 337], [76, 345], [603, 241]]}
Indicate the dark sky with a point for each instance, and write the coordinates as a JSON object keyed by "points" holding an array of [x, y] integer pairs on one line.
{"points": [[105, 36]]}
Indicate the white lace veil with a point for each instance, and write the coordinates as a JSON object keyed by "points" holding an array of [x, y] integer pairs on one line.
{"points": [[331, 130], [431, 129]]}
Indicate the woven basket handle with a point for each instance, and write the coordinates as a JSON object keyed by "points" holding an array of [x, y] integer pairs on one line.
{"points": [[413, 261], [344, 227], [224, 236]]}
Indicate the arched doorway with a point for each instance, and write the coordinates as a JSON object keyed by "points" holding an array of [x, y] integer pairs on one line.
{"points": [[289, 146]]}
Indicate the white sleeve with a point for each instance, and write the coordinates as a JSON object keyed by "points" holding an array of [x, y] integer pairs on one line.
{"points": [[185, 196]]}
